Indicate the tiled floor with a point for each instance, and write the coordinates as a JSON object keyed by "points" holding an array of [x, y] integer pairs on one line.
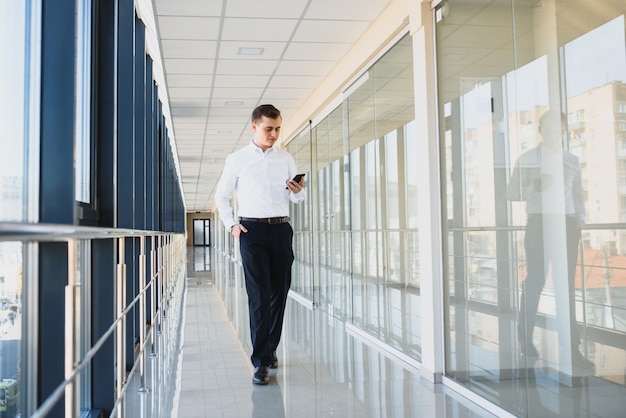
{"points": [[336, 375], [327, 369]]}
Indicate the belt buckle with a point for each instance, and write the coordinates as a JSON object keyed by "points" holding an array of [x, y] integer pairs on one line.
{"points": [[273, 221]]}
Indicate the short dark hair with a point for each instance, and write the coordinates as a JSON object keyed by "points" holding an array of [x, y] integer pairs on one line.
{"points": [[551, 116], [267, 110]]}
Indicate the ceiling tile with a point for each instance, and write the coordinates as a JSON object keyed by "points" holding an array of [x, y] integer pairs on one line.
{"points": [[271, 50], [296, 82], [189, 27], [191, 93], [316, 51], [189, 7], [189, 66], [186, 131], [187, 102], [346, 9], [228, 117], [188, 49], [310, 68], [330, 31], [231, 93], [218, 109], [241, 80], [189, 80], [193, 139], [195, 112], [218, 104], [246, 67], [247, 8], [243, 29], [289, 93], [302, 41]]}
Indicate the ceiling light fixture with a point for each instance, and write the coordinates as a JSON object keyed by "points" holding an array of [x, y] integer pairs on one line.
{"points": [[250, 51], [233, 103]]}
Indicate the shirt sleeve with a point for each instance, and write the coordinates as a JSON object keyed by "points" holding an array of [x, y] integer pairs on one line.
{"points": [[525, 172], [223, 193], [514, 188], [296, 197]]}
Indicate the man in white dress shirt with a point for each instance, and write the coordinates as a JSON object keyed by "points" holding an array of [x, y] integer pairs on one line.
{"points": [[549, 179], [261, 176]]}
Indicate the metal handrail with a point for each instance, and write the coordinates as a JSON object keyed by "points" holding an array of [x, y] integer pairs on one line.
{"points": [[13, 231], [164, 244]]}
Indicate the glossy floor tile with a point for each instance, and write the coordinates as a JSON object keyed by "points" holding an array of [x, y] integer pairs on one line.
{"points": [[327, 368], [333, 373]]}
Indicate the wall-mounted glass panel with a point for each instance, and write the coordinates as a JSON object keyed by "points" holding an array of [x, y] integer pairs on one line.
{"points": [[530, 110], [13, 101], [301, 217], [83, 77], [364, 204], [11, 325], [14, 119]]}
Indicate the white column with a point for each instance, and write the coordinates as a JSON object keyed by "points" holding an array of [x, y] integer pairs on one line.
{"points": [[429, 216]]}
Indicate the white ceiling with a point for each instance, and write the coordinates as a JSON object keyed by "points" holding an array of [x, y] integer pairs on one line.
{"points": [[212, 87]]}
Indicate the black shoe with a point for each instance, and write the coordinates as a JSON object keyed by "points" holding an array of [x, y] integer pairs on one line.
{"points": [[261, 376], [579, 362], [529, 350], [274, 363]]}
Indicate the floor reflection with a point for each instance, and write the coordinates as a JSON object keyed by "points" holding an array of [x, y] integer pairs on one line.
{"points": [[201, 258], [326, 367], [267, 401]]}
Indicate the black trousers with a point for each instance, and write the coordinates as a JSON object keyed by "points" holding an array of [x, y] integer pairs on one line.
{"points": [[267, 256], [538, 259]]}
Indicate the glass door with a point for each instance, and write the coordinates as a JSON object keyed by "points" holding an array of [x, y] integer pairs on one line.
{"points": [[202, 232]]}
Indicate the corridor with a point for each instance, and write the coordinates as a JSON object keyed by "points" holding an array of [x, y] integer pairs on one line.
{"points": [[329, 373]]}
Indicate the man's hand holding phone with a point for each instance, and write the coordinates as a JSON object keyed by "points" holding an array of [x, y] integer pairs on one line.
{"points": [[296, 184]]}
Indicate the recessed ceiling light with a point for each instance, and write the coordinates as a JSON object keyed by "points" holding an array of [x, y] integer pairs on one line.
{"points": [[250, 51], [233, 103]]}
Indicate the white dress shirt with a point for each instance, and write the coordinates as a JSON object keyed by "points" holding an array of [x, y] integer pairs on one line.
{"points": [[259, 180], [561, 191]]}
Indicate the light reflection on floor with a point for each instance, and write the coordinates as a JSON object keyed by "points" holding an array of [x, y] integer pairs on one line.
{"points": [[324, 370], [329, 370]]}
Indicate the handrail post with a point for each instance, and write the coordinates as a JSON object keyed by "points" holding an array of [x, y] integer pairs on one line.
{"points": [[161, 278], [153, 313], [160, 264], [168, 266], [70, 343], [142, 314], [120, 286]]}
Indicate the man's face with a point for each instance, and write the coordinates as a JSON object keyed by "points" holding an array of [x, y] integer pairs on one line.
{"points": [[552, 132], [266, 132]]}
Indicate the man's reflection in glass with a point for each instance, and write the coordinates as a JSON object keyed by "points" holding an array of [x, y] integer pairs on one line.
{"points": [[267, 401], [548, 178]]}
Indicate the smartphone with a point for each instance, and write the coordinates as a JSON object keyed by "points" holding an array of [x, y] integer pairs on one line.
{"points": [[297, 178]]}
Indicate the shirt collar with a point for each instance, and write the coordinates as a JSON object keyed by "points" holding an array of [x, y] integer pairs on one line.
{"points": [[255, 147]]}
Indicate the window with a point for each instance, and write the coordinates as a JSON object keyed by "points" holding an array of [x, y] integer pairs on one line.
{"points": [[83, 100], [13, 102]]}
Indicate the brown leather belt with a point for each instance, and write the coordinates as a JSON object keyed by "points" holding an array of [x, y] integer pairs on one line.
{"points": [[278, 220]]}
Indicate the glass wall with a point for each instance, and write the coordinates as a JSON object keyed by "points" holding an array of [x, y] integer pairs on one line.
{"points": [[13, 101], [302, 281], [363, 202], [532, 131], [48, 89]]}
